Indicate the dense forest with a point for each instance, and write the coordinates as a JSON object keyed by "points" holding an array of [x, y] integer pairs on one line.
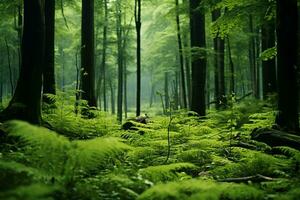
{"points": [[149, 99]]}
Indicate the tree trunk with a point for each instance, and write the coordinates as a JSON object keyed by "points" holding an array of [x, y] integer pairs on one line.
{"points": [[268, 66], [138, 25], [252, 59], [49, 73], [120, 60], [104, 54], [166, 91], [287, 61], [231, 67], [87, 53], [219, 47], [197, 25], [9, 67], [112, 97], [26, 102], [181, 60]]}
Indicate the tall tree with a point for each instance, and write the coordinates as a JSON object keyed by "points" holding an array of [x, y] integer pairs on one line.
{"points": [[287, 23], [138, 25], [87, 53], [252, 58], [197, 26], [120, 59], [181, 59], [105, 27], [268, 66], [49, 73], [219, 47], [26, 102]]}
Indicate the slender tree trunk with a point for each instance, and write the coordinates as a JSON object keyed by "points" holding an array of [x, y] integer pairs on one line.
{"points": [[197, 25], [231, 67], [166, 91], [252, 58], [120, 60], [62, 62], [105, 27], [87, 53], [26, 102], [287, 61], [138, 25], [9, 67], [268, 66], [219, 47], [187, 44], [181, 59], [49, 73], [112, 97], [19, 30]]}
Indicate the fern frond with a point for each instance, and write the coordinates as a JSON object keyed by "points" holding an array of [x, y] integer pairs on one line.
{"points": [[45, 149], [97, 153], [163, 173], [201, 190]]}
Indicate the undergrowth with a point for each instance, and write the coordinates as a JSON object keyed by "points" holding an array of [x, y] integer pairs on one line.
{"points": [[93, 158]]}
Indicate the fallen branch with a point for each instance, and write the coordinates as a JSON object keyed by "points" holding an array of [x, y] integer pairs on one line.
{"points": [[256, 179]]}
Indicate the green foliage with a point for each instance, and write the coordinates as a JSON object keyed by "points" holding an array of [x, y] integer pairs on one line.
{"points": [[163, 173], [199, 189], [256, 163], [269, 54]]}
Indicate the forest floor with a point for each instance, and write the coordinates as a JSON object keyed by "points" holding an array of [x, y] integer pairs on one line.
{"points": [[173, 157]]}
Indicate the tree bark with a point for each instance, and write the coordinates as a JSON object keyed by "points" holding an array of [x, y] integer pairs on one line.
{"points": [[287, 61], [87, 53], [49, 72], [268, 66], [120, 60], [26, 102], [197, 26], [181, 59], [252, 59], [105, 27], [9, 67], [219, 47], [138, 25], [166, 91], [231, 67]]}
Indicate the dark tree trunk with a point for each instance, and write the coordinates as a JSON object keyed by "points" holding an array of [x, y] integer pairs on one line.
{"points": [[19, 28], [104, 54], [112, 97], [181, 59], [219, 47], [49, 73], [26, 102], [252, 59], [268, 66], [120, 60], [287, 61], [166, 91], [138, 25], [231, 67], [197, 25], [87, 53], [9, 67]]}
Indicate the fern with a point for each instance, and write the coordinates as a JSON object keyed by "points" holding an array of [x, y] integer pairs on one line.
{"points": [[293, 154], [56, 155], [198, 189], [163, 173]]}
